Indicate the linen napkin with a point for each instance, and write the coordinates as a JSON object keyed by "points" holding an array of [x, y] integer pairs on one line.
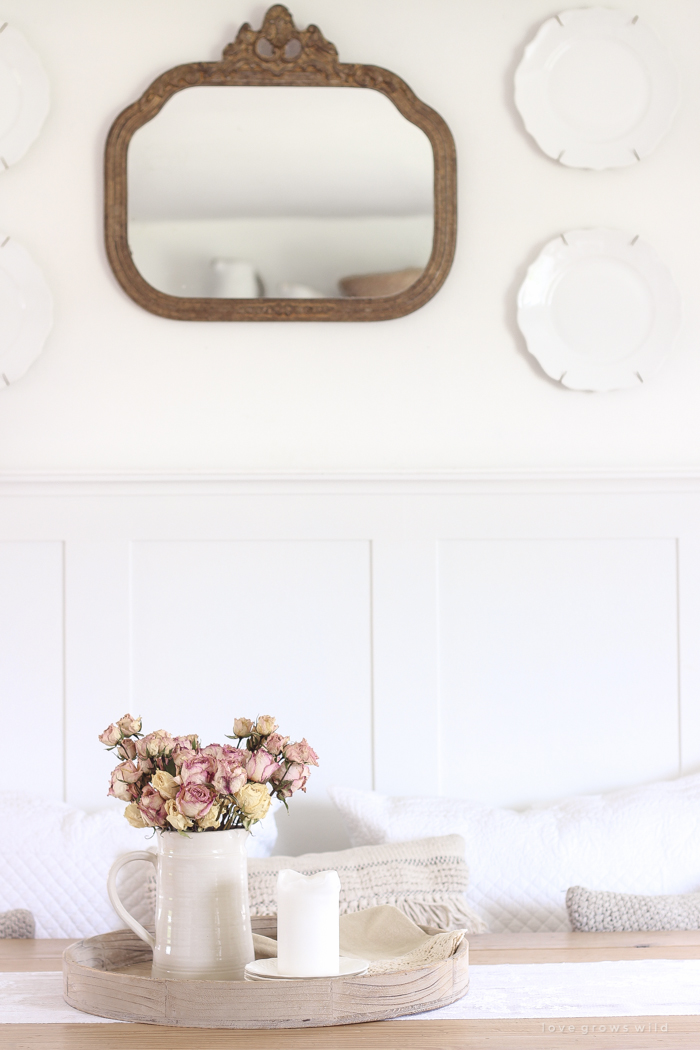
{"points": [[387, 938]]}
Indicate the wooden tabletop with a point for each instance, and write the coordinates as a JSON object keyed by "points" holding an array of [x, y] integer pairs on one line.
{"points": [[570, 1033], [36, 955]]}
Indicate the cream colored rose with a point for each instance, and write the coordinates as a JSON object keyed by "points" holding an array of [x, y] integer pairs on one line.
{"points": [[253, 801], [242, 727], [133, 815], [265, 725], [158, 743], [211, 820], [166, 785], [130, 725], [175, 818]]}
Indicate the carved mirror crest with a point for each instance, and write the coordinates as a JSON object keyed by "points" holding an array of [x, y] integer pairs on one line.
{"points": [[245, 204]]}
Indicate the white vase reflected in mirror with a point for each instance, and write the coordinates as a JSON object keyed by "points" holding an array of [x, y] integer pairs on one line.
{"points": [[235, 279]]}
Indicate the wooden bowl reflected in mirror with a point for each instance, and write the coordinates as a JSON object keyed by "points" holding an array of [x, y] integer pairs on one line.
{"points": [[377, 285]]}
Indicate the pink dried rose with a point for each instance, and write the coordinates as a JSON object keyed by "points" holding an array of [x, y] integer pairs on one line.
{"points": [[128, 772], [129, 725], [227, 753], [119, 788], [111, 736], [297, 775], [197, 768], [291, 779], [188, 742], [242, 727], [158, 743], [260, 766], [229, 777], [124, 776], [275, 743], [152, 807], [265, 725], [301, 752], [215, 750], [194, 800], [145, 765], [126, 748], [237, 756], [183, 748]]}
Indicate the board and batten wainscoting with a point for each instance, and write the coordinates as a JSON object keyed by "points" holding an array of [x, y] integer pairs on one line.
{"points": [[508, 637]]}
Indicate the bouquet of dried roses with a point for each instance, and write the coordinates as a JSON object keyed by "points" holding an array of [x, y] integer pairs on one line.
{"points": [[172, 783]]}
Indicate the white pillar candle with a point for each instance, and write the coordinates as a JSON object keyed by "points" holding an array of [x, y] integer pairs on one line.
{"points": [[308, 929]]}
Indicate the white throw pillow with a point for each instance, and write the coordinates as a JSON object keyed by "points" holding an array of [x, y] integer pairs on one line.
{"points": [[638, 840], [54, 861]]}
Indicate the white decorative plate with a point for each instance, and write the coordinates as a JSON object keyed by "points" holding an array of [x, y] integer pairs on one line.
{"points": [[26, 310], [266, 970], [599, 310], [596, 88], [24, 96]]}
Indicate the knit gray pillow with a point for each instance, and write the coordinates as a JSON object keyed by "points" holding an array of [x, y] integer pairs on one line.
{"points": [[18, 923], [592, 911]]}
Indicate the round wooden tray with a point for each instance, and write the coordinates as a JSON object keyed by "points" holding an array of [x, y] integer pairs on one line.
{"points": [[109, 976]]}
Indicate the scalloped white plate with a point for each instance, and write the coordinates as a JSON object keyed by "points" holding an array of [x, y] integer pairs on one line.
{"points": [[26, 310], [599, 310], [24, 96], [596, 88]]}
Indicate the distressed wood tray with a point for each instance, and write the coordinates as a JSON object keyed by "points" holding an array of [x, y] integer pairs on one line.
{"points": [[109, 976]]}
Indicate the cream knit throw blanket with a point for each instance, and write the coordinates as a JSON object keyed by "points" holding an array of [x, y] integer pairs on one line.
{"points": [[425, 879], [387, 938]]}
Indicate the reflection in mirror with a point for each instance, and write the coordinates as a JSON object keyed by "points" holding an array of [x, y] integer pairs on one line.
{"points": [[291, 192]]}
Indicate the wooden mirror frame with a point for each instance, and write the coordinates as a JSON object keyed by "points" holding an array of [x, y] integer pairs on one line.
{"points": [[265, 58]]}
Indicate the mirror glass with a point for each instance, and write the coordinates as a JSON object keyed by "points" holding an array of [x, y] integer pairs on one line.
{"points": [[283, 192]]}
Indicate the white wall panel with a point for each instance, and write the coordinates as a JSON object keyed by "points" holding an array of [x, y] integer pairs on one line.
{"points": [[247, 628], [404, 635], [558, 666], [688, 647], [97, 663], [525, 634], [31, 665]]}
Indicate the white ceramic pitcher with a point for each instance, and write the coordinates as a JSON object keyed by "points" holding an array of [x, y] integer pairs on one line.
{"points": [[202, 915]]}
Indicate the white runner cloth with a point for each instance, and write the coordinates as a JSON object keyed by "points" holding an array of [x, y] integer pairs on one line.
{"points": [[654, 987], [648, 987]]}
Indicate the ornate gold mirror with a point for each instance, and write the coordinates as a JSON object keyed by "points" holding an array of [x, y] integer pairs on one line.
{"points": [[246, 204]]}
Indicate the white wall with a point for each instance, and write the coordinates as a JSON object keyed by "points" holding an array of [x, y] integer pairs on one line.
{"points": [[538, 630], [447, 387], [510, 641]]}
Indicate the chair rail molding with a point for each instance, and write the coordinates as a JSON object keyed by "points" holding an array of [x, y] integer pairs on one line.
{"points": [[555, 479]]}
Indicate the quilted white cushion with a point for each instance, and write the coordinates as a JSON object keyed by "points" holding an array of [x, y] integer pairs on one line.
{"points": [[639, 840], [54, 860]]}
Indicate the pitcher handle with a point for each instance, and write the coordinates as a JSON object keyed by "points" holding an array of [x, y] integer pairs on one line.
{"points": [[121, 911]]}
